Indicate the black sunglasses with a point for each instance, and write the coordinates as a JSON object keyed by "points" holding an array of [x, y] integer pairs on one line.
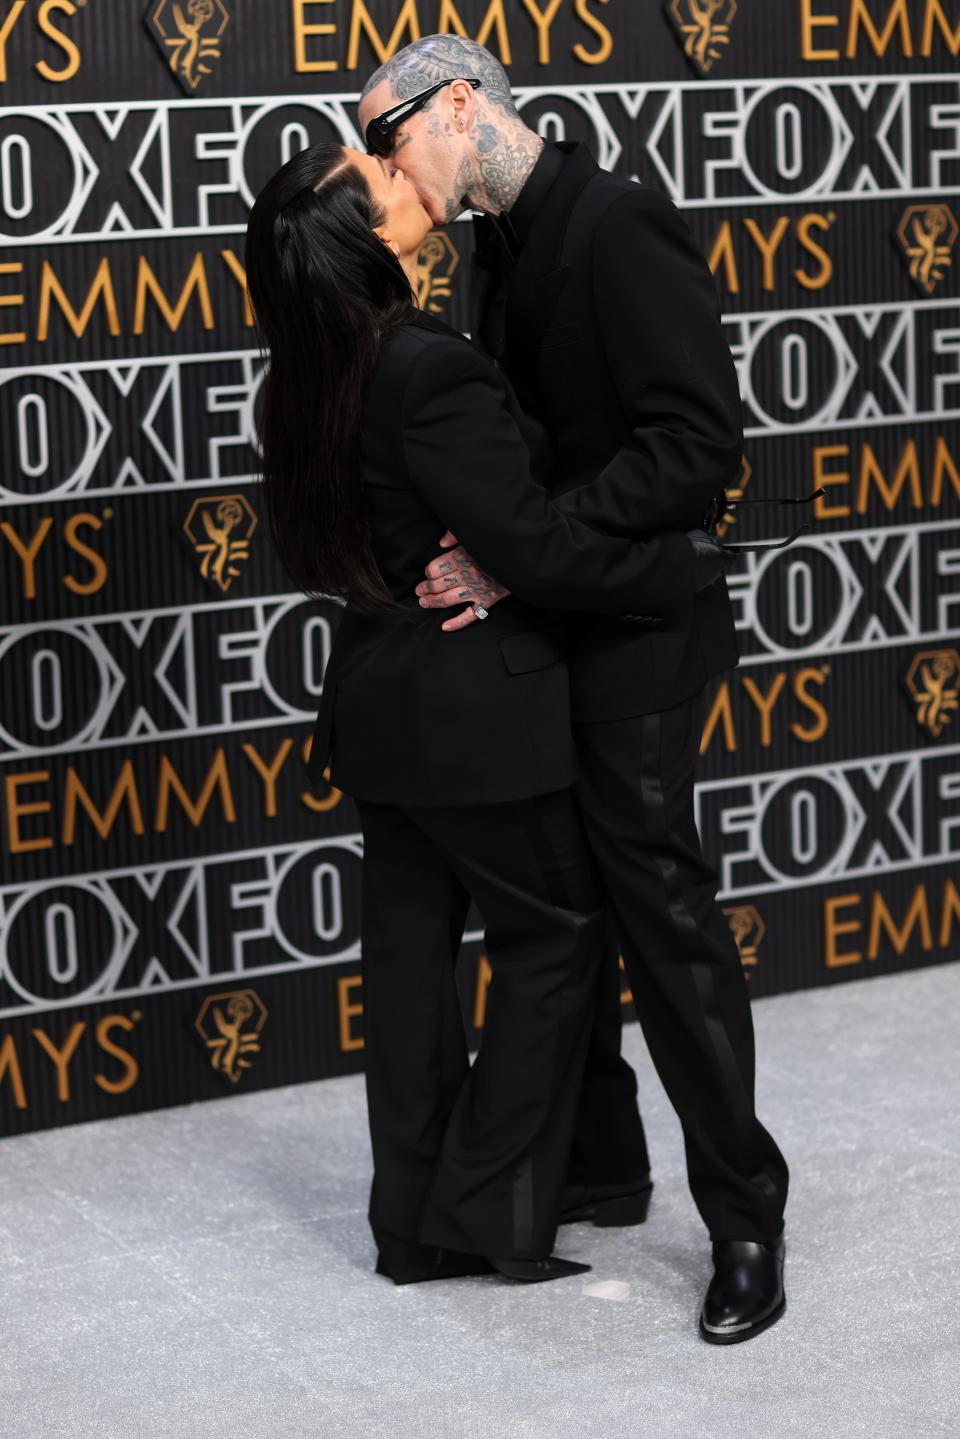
{"points": [[381, 127], [720, 506]]}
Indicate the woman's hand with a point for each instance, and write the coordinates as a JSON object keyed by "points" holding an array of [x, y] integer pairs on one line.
{"points": [[455, 578]]}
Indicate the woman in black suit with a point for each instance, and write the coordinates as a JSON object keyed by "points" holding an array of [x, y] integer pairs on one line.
{"points": [[382, 427]]}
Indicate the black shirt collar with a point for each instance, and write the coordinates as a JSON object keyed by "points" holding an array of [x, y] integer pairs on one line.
{"points": [[509, 231]]}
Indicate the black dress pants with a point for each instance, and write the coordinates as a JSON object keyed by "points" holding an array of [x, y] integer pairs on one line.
{"points": [[636, 797], [471, 1160], [609, 1143]]}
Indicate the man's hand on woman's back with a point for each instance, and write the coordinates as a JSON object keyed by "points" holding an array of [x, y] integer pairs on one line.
{"points": [[454, 578]]}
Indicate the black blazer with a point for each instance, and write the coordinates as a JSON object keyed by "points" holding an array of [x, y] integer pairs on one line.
{"points": [[410, 714], [613, 341]]}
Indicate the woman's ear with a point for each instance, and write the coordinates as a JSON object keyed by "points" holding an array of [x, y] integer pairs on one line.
{"points": [[390, 244]]}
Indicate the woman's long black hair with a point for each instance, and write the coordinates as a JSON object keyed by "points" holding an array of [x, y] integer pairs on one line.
{"points": [[325, 289]]}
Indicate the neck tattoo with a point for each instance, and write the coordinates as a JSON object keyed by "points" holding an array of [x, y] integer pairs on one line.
{"points": [[504, 162]]}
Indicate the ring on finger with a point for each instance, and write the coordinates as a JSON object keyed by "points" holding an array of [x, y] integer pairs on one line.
{"points": [[480, 612]]}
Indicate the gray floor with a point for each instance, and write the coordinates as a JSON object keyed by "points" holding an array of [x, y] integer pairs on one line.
{"points": [[205, 1271]]}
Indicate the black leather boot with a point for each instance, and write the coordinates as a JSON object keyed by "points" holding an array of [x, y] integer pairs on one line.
{"points": [[746, 1292], [608, 1206]]}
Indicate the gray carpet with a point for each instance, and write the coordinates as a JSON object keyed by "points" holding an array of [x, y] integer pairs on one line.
{"points": [[206, 1271]]}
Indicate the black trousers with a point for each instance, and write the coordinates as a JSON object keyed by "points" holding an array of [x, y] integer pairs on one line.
{"points": [[636, 797], [471, 1160]]}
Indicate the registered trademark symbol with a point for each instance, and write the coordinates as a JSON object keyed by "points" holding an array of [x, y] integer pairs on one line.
{"points": [[826, 669], [137, 1014], [108, 513], [831, 216]]}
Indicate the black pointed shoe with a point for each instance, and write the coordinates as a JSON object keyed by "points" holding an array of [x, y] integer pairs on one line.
{"points": [[538, 1271], [607, 1206], [746, 1292]]}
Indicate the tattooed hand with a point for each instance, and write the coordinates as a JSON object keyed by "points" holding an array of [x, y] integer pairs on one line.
{"points": [[455, 578]]}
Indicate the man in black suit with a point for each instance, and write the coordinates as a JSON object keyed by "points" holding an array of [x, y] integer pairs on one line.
{"points": [[600, 309]]}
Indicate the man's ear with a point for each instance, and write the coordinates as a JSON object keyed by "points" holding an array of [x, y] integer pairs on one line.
{"points": [[463, 101]]}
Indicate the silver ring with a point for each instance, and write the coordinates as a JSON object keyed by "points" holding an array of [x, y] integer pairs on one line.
{"points": [[480, 612]]}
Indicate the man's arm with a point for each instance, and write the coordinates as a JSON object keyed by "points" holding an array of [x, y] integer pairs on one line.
{"points": [[659, 320], [466, 458]]}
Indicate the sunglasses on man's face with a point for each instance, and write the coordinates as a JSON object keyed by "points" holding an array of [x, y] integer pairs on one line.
{"points": [[379, 132]]}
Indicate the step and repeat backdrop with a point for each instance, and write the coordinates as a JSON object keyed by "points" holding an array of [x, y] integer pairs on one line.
{"points": [[178, 910]]}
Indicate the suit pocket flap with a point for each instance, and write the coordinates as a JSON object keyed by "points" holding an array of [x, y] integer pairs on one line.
{"points": [[533, 650], [561, 335]]}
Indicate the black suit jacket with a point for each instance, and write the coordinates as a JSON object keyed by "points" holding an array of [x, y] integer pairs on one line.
{"points": [[613, 342], [410, 714]]}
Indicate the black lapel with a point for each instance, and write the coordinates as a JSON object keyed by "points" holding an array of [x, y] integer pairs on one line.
{"points": [[537, 278], [486, 271]]}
